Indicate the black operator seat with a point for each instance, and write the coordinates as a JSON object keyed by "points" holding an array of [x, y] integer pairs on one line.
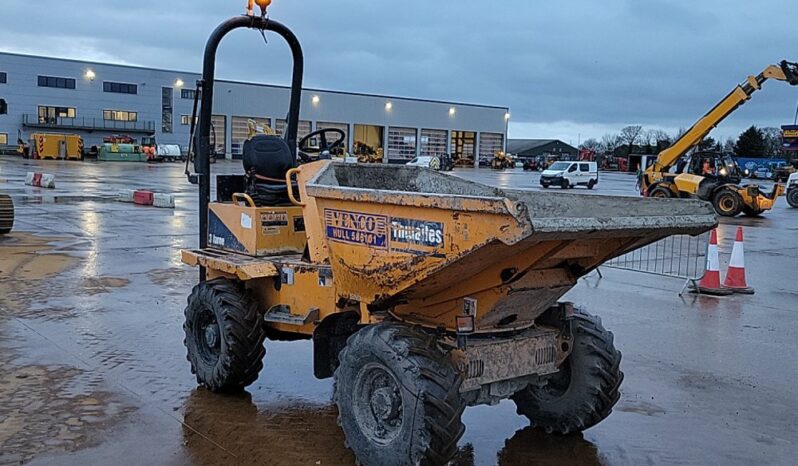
{"points": [[267, 158]]}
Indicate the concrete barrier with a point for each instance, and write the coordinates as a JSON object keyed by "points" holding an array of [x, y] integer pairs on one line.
{"points": [[146, 198], [40, 180], [165, 201]]}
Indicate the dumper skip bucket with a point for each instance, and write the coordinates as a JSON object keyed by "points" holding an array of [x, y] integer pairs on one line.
{"points": [[417, 243]]}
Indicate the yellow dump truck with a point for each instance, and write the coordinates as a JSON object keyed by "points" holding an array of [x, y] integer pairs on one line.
{"points": [[56, 146], [422, 293]]}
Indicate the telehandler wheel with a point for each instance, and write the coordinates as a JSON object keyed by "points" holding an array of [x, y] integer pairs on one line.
{"points": [[727, 203], [585, 389], [398, 397], [6, 214], [224, 335], [792, 197], [660, 192]]}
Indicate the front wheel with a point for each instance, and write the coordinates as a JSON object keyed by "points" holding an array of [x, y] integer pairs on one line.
{"points": [[224, 335], [398, 397], [585, 389], [792, 197], [727, 203], [661, 193], [565, 184]]}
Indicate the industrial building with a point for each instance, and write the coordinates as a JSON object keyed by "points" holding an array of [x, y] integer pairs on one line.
{"points": [[533, 148], [95, 100]]}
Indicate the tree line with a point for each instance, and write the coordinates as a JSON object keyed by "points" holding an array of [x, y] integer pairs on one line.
{"points": [[634, 139]]}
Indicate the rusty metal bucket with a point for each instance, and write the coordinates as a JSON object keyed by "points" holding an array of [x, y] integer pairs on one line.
{"points": [[416, 243]]}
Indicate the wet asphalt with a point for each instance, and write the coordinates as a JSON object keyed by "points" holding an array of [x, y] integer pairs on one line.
{"points": [[93, 369]]}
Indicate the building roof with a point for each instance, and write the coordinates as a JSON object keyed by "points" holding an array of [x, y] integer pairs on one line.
{"points": [[516, 146]]}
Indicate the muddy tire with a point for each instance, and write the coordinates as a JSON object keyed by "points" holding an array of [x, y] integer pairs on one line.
{"points": [[727, 203], [6, 214], [585, 389], [661, 193], [792, 197], [398, 397], [224, 335]]}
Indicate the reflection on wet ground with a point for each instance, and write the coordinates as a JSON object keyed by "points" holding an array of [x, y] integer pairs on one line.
{"points": [[93, 371]]}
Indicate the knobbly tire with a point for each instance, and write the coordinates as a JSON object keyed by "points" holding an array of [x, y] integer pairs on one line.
{"points": [[792, 197], [660, 192], [727, 203], [398, 397], [585, 389], [6, 214], [224, 335]]}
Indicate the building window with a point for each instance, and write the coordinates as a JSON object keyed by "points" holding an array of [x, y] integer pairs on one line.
{"points": [[50, 115], [59, 83], [3, 107], [167, 95], [120, 88], [185, 120], [3, 77], [120, 115], [3, 139], [189, 94]]}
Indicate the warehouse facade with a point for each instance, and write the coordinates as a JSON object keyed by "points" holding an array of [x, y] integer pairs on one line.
{"points": [[95, 100]]}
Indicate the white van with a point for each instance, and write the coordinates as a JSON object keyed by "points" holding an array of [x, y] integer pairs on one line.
{"points": [[570, 174]]}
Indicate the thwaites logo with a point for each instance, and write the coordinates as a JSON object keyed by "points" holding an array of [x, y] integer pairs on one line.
{"points": [[356, 228], [416, 232]]}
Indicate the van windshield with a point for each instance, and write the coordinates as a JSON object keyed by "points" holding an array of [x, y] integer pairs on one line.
{"points": [[560, 166]]}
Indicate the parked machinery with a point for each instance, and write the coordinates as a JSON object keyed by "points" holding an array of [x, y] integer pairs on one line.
{"points": [[716, 178], [423, 293], [501, 160], [56, 146], [792, 190]]}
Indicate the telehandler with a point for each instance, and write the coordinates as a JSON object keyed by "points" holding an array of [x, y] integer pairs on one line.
{"points": [[713, 176], [422, 293]]}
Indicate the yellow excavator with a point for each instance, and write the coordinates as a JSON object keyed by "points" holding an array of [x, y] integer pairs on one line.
{"points": [[713, 176]]}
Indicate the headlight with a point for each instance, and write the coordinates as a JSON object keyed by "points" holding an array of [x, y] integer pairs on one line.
{"points": [[723, 172], [747, 172]]}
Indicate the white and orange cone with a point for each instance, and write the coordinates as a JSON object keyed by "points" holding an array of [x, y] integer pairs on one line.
{"points": [[710, 282], [735, 275]]}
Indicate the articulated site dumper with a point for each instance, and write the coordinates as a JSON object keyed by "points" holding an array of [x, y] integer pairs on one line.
{"points": [[423, 293]]}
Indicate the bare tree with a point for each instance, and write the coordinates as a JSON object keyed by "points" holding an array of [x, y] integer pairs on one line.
{"points": [[630, 135], [609, 142], [592, 144], [772, 141], [660, 139]]}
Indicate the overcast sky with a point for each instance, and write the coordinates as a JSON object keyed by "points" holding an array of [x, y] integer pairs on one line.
{"points": [[567, 69]]}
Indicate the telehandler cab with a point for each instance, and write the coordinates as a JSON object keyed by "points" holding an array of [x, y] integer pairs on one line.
{"points": [[423, 293]]}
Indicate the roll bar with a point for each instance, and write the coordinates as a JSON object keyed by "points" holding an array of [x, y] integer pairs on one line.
{"points": [[202, 166]]}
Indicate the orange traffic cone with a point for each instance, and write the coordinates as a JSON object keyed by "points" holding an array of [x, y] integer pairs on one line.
{"points": [[735, 275], [710, 282]]}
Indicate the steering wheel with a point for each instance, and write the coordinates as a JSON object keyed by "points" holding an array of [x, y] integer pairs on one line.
{"points": [[324, 143]]}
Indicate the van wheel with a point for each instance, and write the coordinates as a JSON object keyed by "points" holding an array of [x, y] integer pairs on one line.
{"points": [[590, 184], [565, 184]]}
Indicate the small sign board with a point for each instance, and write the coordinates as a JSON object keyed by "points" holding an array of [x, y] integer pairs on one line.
{"points": [[789, 138]]}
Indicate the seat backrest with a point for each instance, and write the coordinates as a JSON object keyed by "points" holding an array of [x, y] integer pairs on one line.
{"points": [[268, 156]]}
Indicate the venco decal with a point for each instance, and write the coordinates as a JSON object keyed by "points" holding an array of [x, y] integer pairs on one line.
{"points": [[356, 228], [418, 232]]}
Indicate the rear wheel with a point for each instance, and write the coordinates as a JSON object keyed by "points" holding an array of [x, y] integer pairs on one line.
{"points": [[590, 184], [224, 335], [660, 192], [585, 389], [398, 397], [792, 197], [727, 202], [6, 214]]}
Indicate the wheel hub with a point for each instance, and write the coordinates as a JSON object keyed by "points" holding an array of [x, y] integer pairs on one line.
{"points": [[212, 336], [378, 404]]}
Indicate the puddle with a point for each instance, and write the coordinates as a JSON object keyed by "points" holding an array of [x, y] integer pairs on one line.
{"points": [[98, 285]]}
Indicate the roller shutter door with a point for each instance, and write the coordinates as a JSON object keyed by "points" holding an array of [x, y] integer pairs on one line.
{"points": [[219, 134], [240, 132], [401, 144], [330, 125], [489, 144], [302, 131], [433, 142]]}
